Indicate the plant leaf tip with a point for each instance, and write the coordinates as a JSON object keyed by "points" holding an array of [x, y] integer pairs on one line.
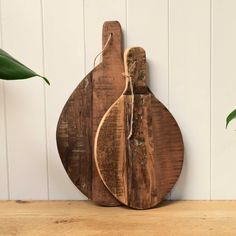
{"points": [[46, 80]]}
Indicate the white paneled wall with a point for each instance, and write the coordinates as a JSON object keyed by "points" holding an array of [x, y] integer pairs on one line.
{"points": [[151, 32], [4, 194], [65, 67], [223, 161], [191, 51], [189, 92], [25, 119]]}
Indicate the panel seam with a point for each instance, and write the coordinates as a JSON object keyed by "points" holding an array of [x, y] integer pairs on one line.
{"points": [[210, 97], [168, 51], [85, 64], [126, 22], [4, 113], [168, 63], [45, 100]]}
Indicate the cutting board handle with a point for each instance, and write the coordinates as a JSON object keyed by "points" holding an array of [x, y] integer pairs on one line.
{"points": [[114, 47], [135, 70]]}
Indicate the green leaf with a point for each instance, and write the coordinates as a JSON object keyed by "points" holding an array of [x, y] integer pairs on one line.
{"points": [[230, 117], [11, 69]]}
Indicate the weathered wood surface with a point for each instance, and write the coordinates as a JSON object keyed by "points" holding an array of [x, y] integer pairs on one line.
{"points": [[139, 171], [82, 113], [73, 218]]}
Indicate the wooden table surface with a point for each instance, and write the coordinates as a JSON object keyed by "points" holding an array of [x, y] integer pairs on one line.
{"points": [[201, 218]]}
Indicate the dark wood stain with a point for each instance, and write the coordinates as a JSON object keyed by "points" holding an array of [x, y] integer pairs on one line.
{"points": [[139, 171], [82, 114]]}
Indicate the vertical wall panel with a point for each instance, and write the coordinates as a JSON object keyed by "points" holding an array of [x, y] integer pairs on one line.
{"points": [[21, 27], [154, 39], [96, 12], [3, 155], [189, 43], [64, 66], [223, 99]]}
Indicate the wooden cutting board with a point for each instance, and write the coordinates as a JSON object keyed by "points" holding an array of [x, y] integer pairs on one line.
{"points": [[139, 171], [82, 113]]}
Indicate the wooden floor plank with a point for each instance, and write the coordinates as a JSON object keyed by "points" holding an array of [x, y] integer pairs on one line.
{"points": [[85, 218]]}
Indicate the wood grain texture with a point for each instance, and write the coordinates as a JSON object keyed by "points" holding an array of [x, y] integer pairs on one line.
{"points": [[73, 218], [82, 113], [139, 171]]}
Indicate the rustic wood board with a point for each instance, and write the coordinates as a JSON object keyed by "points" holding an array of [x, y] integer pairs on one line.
{"points": [[139, 171], [73, 218], [82, 113]]}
